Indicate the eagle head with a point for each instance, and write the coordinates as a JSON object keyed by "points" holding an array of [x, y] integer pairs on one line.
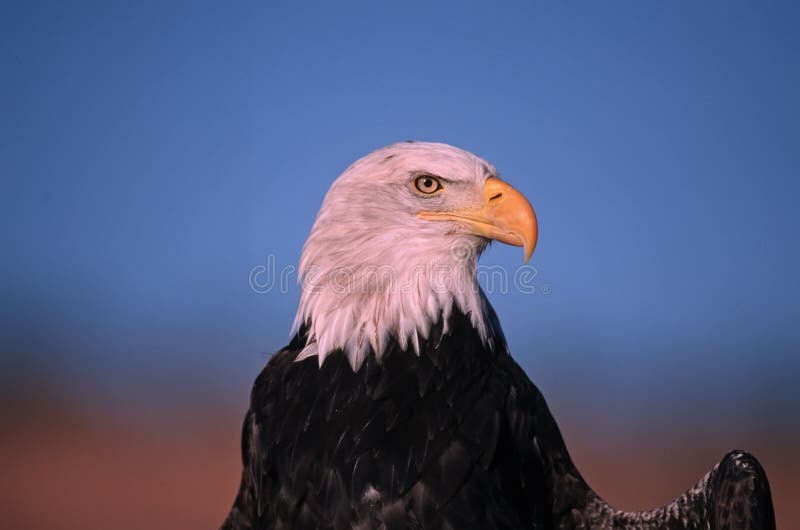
{"points": [[395, 245]]}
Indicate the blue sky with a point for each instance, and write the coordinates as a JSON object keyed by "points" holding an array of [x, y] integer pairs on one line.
{"points": [[152, 155]]}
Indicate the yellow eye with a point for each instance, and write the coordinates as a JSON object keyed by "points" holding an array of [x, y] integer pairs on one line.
{"points": [[427, 184]]}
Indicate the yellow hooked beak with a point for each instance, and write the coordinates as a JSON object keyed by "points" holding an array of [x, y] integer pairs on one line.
{"points": [[506, 216]]}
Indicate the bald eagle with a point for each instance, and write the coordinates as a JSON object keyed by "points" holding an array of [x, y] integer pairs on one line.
{"points": [[396, 403]]}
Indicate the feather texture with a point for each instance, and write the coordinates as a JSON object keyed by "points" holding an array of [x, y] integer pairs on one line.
{"points": [[456, 438]]}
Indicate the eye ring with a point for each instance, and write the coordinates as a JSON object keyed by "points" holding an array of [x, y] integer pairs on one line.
{"points": [[427, 184]]}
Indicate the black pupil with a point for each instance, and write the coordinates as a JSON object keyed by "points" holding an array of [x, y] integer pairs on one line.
{"points": [[427, 183]]}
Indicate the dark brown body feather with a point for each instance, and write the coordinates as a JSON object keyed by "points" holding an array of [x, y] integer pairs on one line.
{"points": [[455, 438]]}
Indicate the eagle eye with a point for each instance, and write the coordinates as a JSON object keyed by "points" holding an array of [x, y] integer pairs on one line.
{"points": [[427, 184]]}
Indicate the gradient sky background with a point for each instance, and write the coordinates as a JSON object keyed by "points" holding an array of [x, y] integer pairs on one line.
{"points": [[153, 154]]}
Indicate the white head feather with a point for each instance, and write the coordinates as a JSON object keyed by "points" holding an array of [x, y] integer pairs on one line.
{"points": [[372, 270]]}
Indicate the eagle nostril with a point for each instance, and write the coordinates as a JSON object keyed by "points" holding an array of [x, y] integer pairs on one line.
{"points": [[493, 197]]}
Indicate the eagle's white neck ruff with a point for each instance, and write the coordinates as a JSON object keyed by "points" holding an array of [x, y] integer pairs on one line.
{"points": [[372, 271], [360, 308]]}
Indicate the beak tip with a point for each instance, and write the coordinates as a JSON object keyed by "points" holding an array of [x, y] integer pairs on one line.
{"points": [[528, 254], [529, 241]]}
